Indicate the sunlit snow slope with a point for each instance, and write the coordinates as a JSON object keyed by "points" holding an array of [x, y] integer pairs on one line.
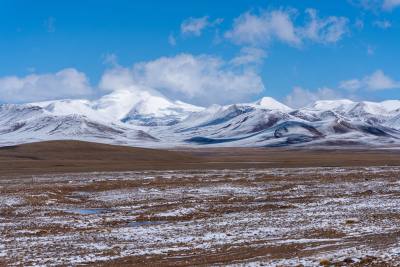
{"points": [[147, 118]]}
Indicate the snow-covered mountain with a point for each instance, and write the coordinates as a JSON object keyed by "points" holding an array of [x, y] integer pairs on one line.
{"points": [[139, 107], [147, 118], [30, 123], [333, 123]]}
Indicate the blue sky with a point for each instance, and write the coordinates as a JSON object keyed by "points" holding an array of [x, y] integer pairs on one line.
{"points": [[202, 52]]}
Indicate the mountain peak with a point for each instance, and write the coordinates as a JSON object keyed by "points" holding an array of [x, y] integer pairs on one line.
{"points": [[270, 103], [117, 117], [332, 104]]}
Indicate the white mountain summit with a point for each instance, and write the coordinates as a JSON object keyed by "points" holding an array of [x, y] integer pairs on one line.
{"points": [[147, 118], [270, 103]]}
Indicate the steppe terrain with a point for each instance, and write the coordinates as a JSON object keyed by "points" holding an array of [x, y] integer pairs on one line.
{"points": [[76, 156], [72, 203]]}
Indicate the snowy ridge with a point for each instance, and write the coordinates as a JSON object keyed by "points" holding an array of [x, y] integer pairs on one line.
{"points": [[121, 105], [270, 103], [146, 118]]}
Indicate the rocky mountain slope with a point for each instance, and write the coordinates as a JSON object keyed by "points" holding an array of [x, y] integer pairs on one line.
{"points": [[148, 119]]}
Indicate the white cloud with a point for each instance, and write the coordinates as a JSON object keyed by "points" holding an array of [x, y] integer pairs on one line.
{"points": [[31, 69], [110, 59], [376, 81], [49, 23], [370, 50], [249, 55], [375, 5], [367, 4], [383, 24], [390, 4], [327, 30], [253, 29], [67, 83], [195, 26], [261, 29], [300, 97], [198, 79], [359, 24], [351, 85], [379, 81], [171, 39]]}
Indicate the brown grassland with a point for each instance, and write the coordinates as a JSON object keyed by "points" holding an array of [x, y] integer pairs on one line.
{"points": [[76, 156], [77, 203]]}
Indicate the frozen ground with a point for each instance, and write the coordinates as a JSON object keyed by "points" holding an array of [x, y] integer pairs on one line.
{"points": [[273, 217]]}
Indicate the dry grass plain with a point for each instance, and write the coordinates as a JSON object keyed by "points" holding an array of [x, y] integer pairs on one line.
{"points": [[75, 203], [76, 156]]}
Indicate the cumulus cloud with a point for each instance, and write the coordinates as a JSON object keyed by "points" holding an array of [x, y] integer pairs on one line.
{"points": [[383, 24], [261, 29], [376, 81], [198, 79], [110, 59], [370, 50], [375, 5], [380, 81], [351, 85], [249, 55], [390, 4], [359, 24], [195, 26], [171, 39], [367, 4], [50, 24], [67, 83], [258, 29], [324, 30], [300, 97]]}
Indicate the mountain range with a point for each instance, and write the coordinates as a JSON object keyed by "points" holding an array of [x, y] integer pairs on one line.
{"points": [[148, 119]]}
